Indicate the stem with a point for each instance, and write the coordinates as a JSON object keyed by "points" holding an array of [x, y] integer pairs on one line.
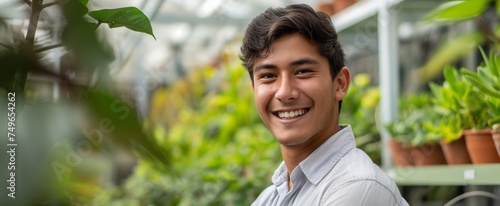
{"points": [[48, 48], [98, 24], [36, 8]]}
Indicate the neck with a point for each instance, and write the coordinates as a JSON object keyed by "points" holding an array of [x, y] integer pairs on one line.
{"points": [[293, 155]]}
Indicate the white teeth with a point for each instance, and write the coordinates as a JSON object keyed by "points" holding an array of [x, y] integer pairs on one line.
{"points": [[291, 114]]}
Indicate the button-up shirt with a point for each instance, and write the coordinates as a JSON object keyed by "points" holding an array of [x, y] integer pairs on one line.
{"points": [[336, 173]]}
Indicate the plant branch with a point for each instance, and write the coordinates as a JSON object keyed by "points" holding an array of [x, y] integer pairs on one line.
{"points": [[48, 48], [36, 9], [49, 4]]}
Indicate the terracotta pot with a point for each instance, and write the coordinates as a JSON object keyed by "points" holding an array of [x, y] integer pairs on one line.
{"points": [[481, 147], [400, 154], [339, 5], [496, 138], [326, 8], [456, 152], [429, 154]]}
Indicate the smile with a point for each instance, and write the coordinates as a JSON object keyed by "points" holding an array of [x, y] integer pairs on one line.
{"points": [[291, 114]]}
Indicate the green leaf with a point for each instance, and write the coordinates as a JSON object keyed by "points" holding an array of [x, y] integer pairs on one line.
{"points": [[449, 75], [129, 17], [457, 10], [493, 121], [487, 78], [75, 8], [497, 6], [84, 2], [478, 82], [485, 58], [496, 70], [80, 39], [125, 125]]}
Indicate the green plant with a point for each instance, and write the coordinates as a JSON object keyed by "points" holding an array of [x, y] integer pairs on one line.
{"points": [[359, 109], [23, 53], [222, 154], [487, 80], [456, 47], [460, 101], [414, 112]]}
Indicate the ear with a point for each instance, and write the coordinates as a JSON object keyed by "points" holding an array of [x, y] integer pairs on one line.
{"points": [[342, 82]]}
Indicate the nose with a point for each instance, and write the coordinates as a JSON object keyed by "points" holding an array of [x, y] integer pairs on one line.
{"points": [[286, 91]]}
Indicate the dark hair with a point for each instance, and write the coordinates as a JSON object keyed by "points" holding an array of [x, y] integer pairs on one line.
{"points": [[299, 18]]}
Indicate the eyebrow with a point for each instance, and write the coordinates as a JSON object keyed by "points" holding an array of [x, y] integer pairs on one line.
{"points": [[294, 63]]}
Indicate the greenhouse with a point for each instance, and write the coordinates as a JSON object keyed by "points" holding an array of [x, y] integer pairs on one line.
{"points": [[229, 102]]}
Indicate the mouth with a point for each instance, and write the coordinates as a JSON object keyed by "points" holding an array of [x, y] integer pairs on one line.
{"points": [[290, 114]]}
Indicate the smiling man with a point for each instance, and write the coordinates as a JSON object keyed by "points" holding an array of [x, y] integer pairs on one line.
{"points": [[299, 80]]}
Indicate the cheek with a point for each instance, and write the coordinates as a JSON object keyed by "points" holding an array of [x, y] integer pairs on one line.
{"points": [[262, 97]]}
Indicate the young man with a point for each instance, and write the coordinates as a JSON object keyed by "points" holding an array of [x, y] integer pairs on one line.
{"points": [[299, 79]]}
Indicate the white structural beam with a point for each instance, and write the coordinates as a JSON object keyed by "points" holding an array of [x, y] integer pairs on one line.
{"points": [[388, 73]]}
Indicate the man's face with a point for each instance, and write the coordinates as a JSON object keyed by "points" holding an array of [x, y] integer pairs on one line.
{"points": [[294, 92]]}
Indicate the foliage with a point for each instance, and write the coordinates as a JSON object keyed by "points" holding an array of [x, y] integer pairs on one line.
{"points": [[129, 17], [222, 154], [415, 110], [359, 109], [457, 47], [487, 80], [78, 37], [466, 100], [23, 53], [458, 98]]}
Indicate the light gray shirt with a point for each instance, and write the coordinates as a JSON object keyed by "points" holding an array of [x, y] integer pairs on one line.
{"points": [[336, 173]]}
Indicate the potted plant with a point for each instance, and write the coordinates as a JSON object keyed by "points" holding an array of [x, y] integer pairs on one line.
{"points": [[448, 123], [399, 144], [458, 98], [422, 146], [448, 129], [487, 80]]}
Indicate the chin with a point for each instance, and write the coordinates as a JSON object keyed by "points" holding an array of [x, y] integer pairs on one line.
{"points": [[290, 141]]}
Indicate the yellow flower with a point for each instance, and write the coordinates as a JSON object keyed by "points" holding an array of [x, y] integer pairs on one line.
{"points": [[362, 80], [371, 98]]}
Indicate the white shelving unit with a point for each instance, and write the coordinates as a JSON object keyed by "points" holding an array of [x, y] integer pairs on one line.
{"points": [[374, 25], [378, 26]]}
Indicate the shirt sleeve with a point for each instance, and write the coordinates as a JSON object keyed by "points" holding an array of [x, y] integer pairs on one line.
{"points": [[363, 192]]}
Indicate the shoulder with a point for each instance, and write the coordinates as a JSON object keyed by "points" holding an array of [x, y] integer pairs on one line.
{"points": [[266, 197], [356, 178], [364, 192]]}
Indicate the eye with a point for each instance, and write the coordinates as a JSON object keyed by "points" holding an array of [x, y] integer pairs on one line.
{"points": [[266, 76], [303, 71]]}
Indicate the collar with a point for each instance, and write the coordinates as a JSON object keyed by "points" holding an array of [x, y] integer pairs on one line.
{"points": [[319, 163]]}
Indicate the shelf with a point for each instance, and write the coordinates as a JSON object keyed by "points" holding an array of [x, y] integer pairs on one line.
{"points": [[355, 14], [366, 11], [484, 174]]}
